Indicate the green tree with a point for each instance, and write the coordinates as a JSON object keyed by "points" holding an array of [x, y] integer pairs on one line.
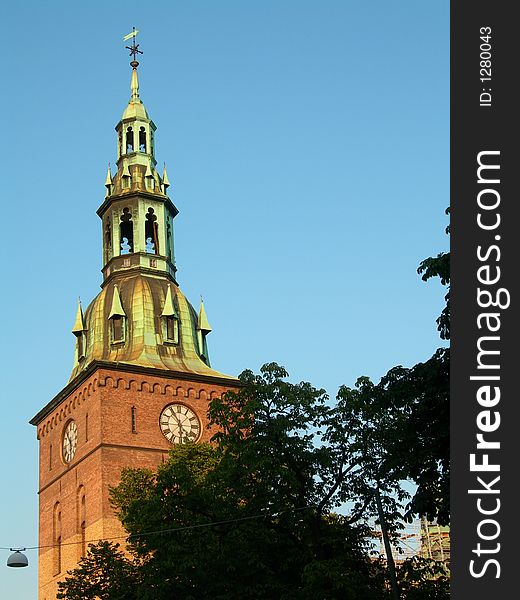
{"points": [[250, 515], [104, 573], [439, 266], [424, 579], [401, 430], [400, 426], [251, 512]]}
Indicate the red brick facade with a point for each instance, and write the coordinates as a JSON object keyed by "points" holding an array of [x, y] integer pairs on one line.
{"points": [[117, 416]]}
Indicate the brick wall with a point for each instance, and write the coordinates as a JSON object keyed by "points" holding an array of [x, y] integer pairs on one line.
{"points": [[102, 409]]}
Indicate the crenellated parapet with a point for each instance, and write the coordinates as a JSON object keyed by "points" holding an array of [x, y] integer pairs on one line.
{"points": [[152, 382]]}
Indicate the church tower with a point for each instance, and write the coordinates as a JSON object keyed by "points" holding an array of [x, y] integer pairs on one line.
{"points": [[142, 378]]}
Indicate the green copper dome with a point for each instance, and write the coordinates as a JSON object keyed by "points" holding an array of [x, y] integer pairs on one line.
{"points": [[144, 307]]}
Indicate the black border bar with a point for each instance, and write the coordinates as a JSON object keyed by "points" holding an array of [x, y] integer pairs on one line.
{"points": [[485, 378]]}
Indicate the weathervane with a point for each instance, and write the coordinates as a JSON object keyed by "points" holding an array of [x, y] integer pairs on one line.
{"points": [[134, 48]]}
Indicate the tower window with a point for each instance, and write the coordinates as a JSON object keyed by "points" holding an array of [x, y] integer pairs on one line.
{"points": [[83, 540], [118, 329], [108, 241], [151, 232], [56, 535], [142, 140], [134, 422], [203, 346], [169, 239], [170, 329], [58, 555], [50, 457], [81, 345], [129, 140], [117, 319], [169, 320], [81, 520], [126, 232]]}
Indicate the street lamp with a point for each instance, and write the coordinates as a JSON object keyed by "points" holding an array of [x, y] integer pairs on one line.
{"points": [[17, 559]]}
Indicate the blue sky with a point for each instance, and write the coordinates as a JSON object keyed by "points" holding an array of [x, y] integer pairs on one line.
{"points": [[308, 148]]}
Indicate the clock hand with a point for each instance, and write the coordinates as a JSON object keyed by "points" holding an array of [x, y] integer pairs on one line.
{"points": [[183, 432], [178, 422]]}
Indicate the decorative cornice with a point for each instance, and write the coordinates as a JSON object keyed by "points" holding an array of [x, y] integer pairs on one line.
{"points": [[50, 406], [126, 272], [133, 195], [127, 368]]}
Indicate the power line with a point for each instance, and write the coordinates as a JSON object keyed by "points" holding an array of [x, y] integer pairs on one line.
{"points": [[159, 531]]}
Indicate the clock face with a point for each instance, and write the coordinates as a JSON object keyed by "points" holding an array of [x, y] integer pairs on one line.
{"points": [[70, 441], [179, 424]]}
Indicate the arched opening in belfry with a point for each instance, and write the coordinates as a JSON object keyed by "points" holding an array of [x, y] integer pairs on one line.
{"points": [[108, 241], [129, 140], [169, 248], [151, 232], [142, 139], [126, 232]]}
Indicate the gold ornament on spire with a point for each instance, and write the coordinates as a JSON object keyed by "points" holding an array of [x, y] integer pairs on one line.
{"points": [[134, 51]]}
